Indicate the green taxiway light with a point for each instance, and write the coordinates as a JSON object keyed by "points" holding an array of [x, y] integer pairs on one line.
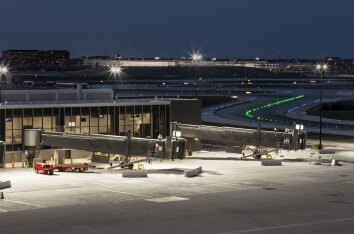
{"points": [[250, 113]]}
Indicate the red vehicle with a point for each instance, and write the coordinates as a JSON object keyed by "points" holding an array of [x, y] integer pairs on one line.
{"points": [[72, 167], [42, 168]]}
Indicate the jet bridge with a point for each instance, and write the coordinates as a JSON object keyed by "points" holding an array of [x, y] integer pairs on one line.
{"points": [[234, 139], [171, 148], [101, 143]]}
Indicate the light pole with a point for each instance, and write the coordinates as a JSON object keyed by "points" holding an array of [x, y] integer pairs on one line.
{"points": [[3, 71], [196, 57], [115, 71], [321, 68]]}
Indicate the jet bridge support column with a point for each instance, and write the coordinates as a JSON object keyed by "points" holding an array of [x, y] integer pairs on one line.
{"points": [[32, 140], [59, 156], [2, 154]]}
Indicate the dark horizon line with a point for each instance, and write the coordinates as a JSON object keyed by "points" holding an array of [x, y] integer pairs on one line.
{"points": [[187, 56]]}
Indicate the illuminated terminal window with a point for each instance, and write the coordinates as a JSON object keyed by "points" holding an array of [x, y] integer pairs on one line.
{"points": [[142, 121]]}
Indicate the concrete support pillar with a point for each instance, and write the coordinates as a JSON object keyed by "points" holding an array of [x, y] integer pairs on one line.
{"points": [[59, 156]]}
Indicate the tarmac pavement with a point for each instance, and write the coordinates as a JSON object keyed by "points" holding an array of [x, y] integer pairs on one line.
{"points": [[228, 197]]}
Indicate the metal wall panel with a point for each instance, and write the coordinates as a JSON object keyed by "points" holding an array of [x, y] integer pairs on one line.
{"points": [[186, 111]]}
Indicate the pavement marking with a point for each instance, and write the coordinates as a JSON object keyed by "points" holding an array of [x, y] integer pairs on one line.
{"points": [[4, 211], [290, 226], [349, 182], [222, 184], [25, 203], [115, 191], [167, 199]]}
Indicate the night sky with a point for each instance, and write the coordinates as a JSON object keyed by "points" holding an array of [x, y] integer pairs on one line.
{"points": [[170, 28]]}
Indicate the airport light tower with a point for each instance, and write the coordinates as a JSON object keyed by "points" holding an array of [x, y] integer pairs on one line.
{"points": [[116, 71], [321, 68], [3, 72], [196, 58]]}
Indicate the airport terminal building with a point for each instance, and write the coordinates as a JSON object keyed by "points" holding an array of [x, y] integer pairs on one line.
{"points": [[89, 111]]}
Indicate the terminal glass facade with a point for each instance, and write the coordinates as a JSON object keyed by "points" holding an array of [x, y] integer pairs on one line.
{"points": [[142, 121]]}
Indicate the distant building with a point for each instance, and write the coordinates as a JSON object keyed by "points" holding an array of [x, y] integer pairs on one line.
{"points": [[100, 61], [40, 59], [300, 68], [340, 66], [264, 64], [42, 55]]}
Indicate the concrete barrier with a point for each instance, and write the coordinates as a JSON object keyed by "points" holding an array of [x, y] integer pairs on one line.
{"points": [[326, 151], [334, 162], [199, 170], [272, 163], [193, 173], [134, 174], [5, 184]]}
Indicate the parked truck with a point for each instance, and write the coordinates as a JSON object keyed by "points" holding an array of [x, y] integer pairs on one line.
{"points": [[72, 167], [43, 168]]}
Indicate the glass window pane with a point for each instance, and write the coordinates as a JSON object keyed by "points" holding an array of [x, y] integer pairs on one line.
{"points": [[17, 137], [27, 121], [17, 123], [8, 137], [102, 120], [56, 120], [93, 130], [110, 126], [94, 120], [162, 121], [129, 119], [155, 121], [122, 121], [8, 130], [37, 122], [47, 122]]}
